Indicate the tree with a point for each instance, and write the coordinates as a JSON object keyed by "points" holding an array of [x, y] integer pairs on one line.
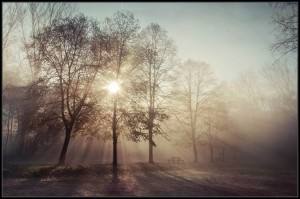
{"points": [[155, 57], [20, 106], [36, 17], [29, 104], [285, 20], [22, 20], [12, 15], [9, 111], [197, 85], [264, 105], [280, 79], [248, 93], [69, 62], [121, 28], [214, 117]]}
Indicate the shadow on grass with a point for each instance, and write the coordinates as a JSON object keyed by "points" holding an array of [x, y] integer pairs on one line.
{"points": [[162, 182], [143, 179]]}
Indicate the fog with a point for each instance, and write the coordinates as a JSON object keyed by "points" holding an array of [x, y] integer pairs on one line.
{"points": [[57, 107], [265, 140]]}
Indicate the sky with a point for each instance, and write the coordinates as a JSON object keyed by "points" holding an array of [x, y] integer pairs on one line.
{"points": [[231, 37]]}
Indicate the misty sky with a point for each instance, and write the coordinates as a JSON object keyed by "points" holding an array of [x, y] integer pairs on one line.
{"points": [[231, 37]]}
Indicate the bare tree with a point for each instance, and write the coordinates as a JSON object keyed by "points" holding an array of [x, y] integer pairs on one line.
{"points": [[31, 18], [155, 57], [122, 28], [264, 104], [12, 15], [20, 105], [283, 82], [28, 106], [21, 22], [285, 20], [70, 62], [9, 112], [248, 93], [197, 85], [215, 123], [38, 16]]}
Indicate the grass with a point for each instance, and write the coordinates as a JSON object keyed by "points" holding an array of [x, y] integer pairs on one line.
{"points": [[142, 179]]}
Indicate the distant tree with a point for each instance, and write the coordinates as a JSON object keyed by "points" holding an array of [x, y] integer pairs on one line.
{"points": [[20, 106], [12, 15], [9, 112], [70, 62], [264, 105], [281, 82], [11, 18], [28, 108], [197, 86], [248, 93], [38, 15], [215, 123], [155, 58], [122, 29], [285, 20]]}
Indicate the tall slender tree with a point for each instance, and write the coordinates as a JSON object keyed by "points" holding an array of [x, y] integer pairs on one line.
{"points": [[155, 56], [122, 28], [197, 85]]}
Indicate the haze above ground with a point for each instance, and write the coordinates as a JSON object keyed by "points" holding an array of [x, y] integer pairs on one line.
{"points": [[231, 37]]}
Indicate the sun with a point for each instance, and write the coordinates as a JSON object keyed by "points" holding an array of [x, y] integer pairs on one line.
{"points": [[113, 87]]}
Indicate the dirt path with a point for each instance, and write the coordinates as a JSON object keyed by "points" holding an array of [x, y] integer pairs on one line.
{"points": [[159, 180]]}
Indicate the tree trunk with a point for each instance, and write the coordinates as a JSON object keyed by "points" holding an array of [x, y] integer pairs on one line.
{"points": [[151, 116], [8, 131], [11, 129], [114, 129], [195, 148], [211, 153], [151, 136], [21, 135], [65, 147], [150, 145]]}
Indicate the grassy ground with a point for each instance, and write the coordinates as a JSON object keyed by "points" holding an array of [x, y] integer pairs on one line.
{"points": [[143, 179]]}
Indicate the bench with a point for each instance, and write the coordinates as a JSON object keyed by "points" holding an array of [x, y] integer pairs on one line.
{"points": [[175, 160]]}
